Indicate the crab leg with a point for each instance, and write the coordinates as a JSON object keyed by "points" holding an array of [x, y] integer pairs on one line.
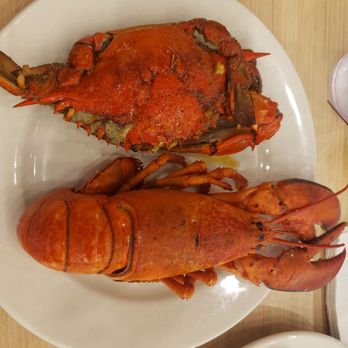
{"points": [[215, 34], [267, 122], [250, 55], [235, 143], [230, 145], [82, 55]]}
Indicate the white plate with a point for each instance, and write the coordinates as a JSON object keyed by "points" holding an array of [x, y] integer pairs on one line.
{"points": [[40, 152], [339, 87], [296, 339]]}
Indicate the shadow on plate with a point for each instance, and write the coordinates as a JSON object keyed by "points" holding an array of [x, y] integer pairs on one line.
{"points": [[133, 292]]}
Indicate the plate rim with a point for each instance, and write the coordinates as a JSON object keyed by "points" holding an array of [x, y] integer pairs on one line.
{"points": [[286, 335]]}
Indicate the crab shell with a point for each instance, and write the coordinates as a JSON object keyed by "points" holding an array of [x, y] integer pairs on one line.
{"points": [[184, 86]]}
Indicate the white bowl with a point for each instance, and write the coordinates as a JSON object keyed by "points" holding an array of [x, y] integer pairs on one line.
{"points": [[339, 87]]}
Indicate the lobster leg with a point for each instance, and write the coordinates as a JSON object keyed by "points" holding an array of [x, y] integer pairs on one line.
{"points": [[220, 173], [112, 177], [293, 269], [183, 285], [201, 178], [208, 276], [191, 180], [197, 167], [151, 168]]}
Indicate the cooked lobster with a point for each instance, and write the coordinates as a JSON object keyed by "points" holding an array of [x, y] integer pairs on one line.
{"points": [[130, 228], [183, 87]]}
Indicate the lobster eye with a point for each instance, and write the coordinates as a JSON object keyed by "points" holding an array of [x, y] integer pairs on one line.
{"points": [[105, 43], [259, 225]]}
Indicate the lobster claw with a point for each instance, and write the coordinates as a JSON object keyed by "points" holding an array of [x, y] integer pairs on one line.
{"points": [[299, 273], [295, 272], [293, 269]]}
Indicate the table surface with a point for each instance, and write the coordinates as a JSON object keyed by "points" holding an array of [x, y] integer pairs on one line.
{"points": [[314, 33]]}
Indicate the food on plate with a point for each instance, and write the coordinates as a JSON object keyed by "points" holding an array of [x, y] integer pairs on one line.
{"points": [[184, 87], [134, 225]]}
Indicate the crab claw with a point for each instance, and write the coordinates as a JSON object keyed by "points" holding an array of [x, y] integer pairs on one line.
{"points": [[293, 269], [37, 84], [7, 77]]}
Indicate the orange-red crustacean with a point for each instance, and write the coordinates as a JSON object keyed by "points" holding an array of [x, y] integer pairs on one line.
{"points": [[124, 226], [186, 87]]}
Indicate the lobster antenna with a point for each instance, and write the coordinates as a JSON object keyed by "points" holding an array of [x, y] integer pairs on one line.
{"points": [[305, 245]]}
